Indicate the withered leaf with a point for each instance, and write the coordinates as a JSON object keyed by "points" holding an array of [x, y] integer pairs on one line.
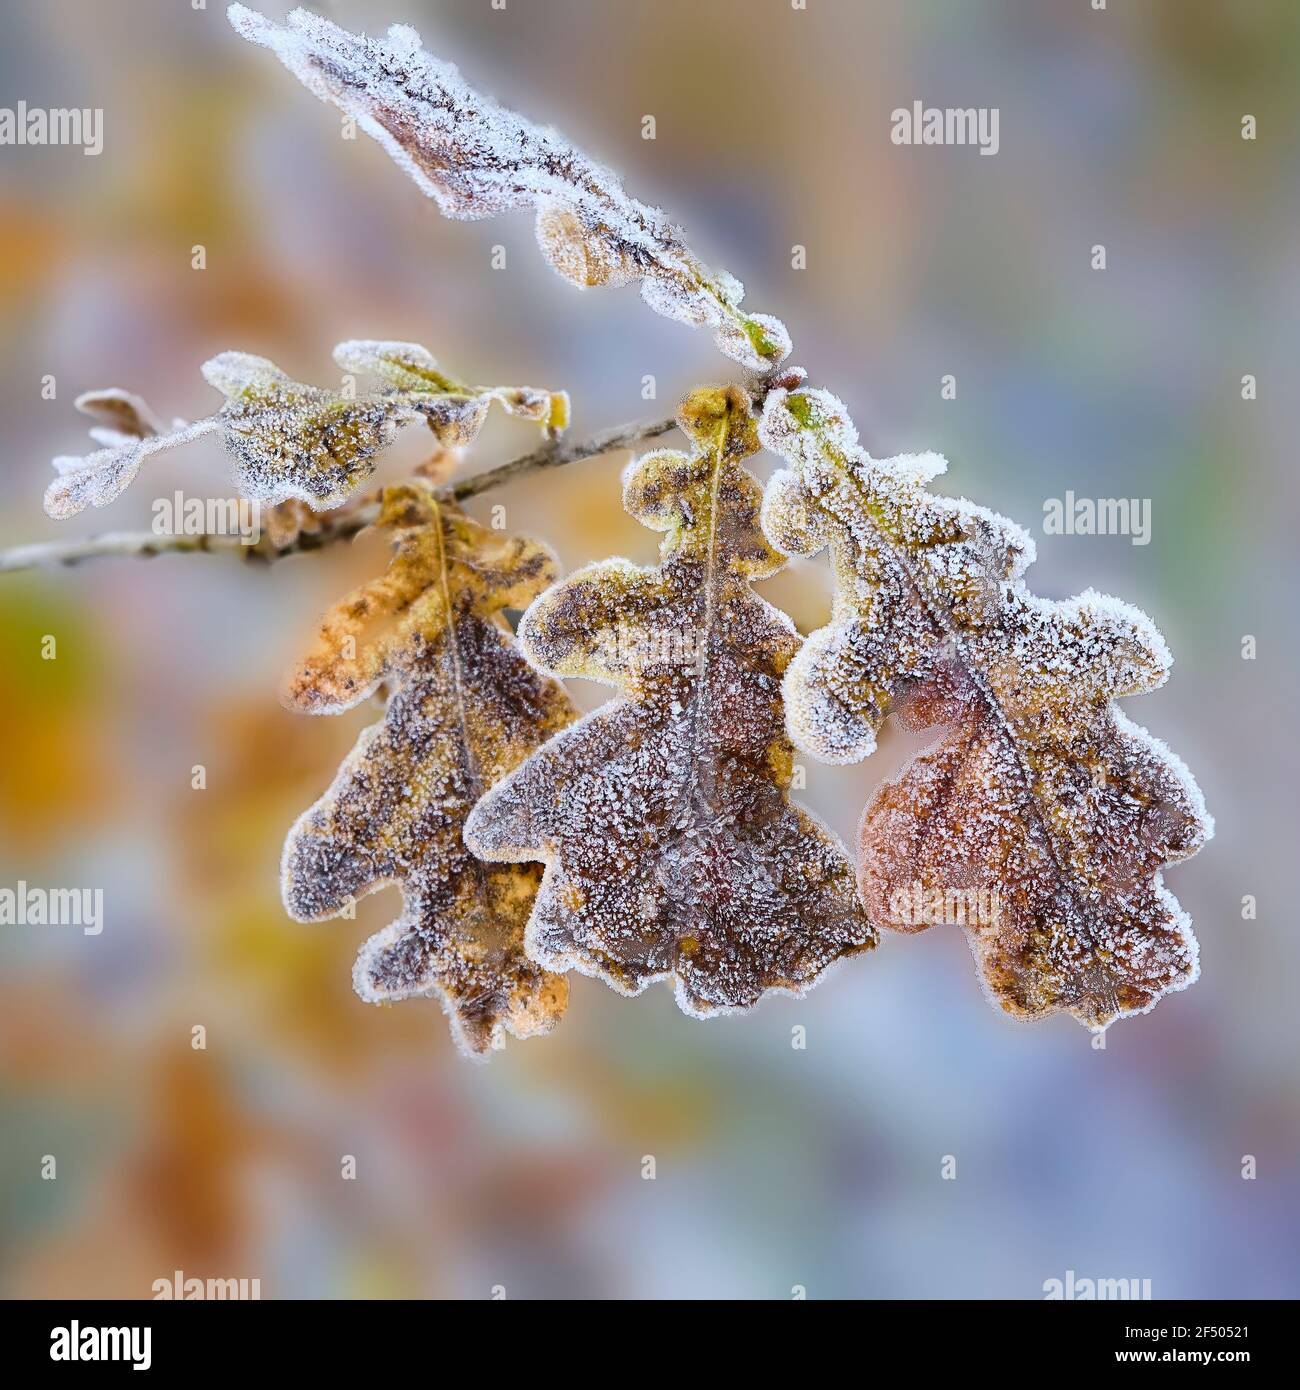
{"points": [[476, 159], [290, 441], [121, 416], [1042, 819], [463, 709], [672, 848], [286, 522]]}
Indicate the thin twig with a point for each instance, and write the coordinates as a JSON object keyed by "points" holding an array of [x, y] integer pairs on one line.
{"points": [[555, 454], [338, 526], [142, 544]]}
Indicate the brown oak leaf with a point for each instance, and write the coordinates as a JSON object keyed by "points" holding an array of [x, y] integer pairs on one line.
{"points": [[672, 848], [463, 709], [1041, 820]]}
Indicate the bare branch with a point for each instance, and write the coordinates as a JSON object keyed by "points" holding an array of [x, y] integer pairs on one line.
{"points": [[555, 454]]}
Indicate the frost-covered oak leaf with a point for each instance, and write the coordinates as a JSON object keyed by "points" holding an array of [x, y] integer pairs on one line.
{"points": [[477, 159], [672, 848], [463, 708], [127, 432], [290, 441], [288, 523], [1042, 818]]}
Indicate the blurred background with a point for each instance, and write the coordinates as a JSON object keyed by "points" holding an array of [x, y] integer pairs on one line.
{"points": [[775, 1167]]}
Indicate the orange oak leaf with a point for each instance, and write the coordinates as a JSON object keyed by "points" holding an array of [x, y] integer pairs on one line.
{"points": [[672, 848], [1041, 820], [463, 708]]}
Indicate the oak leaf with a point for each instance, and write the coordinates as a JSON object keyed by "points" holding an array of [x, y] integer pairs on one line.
{"points": [[463, 708], [127, 432], [477, 159], [672, 848], [1042, 818], [290, 441]]}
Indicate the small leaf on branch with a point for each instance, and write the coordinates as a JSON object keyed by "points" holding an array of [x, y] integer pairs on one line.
{"points": [[463, 708], [128, 433], [1042, 819], [477, 159], [672, 848], [120, 414], [290, 441]]}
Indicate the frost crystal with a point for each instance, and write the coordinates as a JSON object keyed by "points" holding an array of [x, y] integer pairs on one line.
{"points": [[476, 159], [128, 432], [1042, 797], [463, 709], [672, 848], [292, 441]]}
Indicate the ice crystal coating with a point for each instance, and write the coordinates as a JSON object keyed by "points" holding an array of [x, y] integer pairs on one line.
{"points": [[1042, 818], [128, 432], [477, 159], [463, 708], [290, 441], [671, 845]]}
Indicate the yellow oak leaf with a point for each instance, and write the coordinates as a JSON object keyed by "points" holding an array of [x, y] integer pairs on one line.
{"points": [[463, 709]]}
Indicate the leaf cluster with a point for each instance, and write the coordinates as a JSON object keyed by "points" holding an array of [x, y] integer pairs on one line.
{"points": [[656, 839]]}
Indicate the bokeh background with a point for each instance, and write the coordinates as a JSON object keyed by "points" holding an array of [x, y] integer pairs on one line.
{"points": [[776, 1167]]}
